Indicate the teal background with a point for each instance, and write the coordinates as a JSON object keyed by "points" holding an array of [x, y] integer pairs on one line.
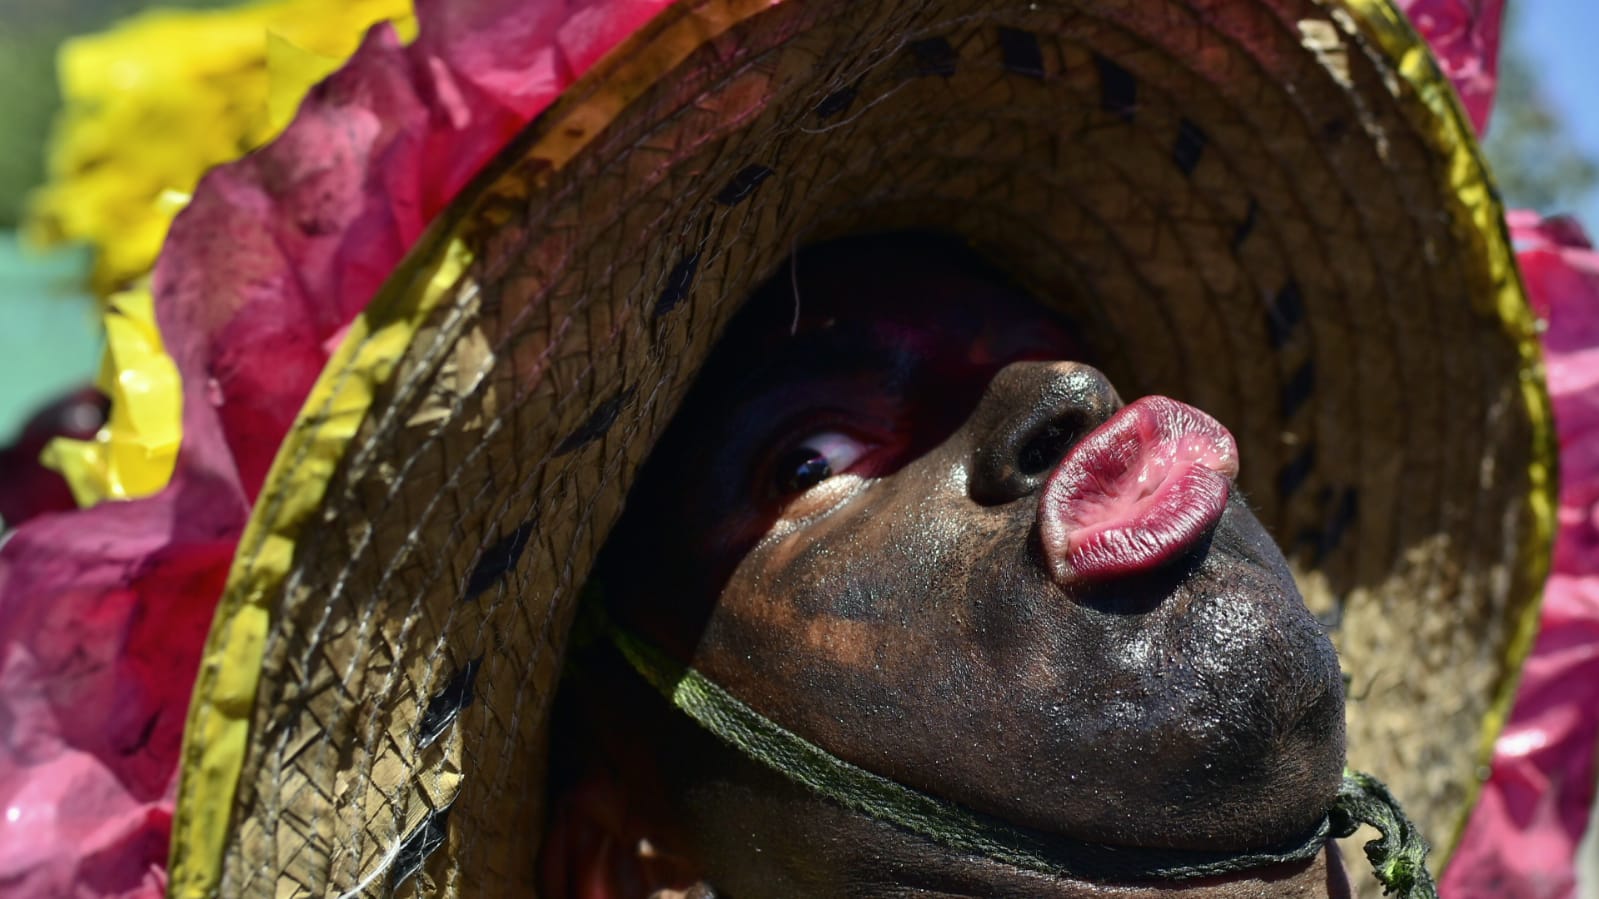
{"points": [[49, 334]]}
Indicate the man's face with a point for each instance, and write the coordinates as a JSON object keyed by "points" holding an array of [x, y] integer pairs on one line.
{"points": [[855, 525]]}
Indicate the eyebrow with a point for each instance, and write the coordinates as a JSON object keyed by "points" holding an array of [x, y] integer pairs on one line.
{"points": [[852, 348]]}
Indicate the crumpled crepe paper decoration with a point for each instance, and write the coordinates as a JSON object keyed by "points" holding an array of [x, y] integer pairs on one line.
{"points": [[258, 279], [1525, 834], [103, 611]]}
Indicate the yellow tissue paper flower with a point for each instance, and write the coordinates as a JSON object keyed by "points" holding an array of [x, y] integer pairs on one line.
{"points": [[134, 452], [152, 104]]}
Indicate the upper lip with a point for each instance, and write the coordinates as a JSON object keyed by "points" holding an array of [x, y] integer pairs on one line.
{"points": [[1136, 491]]}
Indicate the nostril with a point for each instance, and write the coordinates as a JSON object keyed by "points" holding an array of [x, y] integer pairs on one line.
{"points": [[1046, 446], [1030, 417]]}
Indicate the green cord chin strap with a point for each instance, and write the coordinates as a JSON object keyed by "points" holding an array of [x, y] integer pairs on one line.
{"points": [[1398, 859]]}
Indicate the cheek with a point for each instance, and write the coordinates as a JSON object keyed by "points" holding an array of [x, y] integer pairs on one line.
{"points": [[882, 589], [805, 508], [882, 554]]}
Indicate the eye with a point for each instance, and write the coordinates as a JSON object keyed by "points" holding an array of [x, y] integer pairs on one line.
{"points": [[816, 459]]}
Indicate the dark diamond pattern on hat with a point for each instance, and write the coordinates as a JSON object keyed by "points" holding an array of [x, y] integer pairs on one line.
{"points": [[1118, 89], [599, 421], [1342, 508], [836, 102], [1020, 52], [418, 845], [743, 184], [1299, 388], [446, 705], [1189, 147], [1283, 314], [934, 56], [1292, 476], [1247, 226], [677, 284], [497, 560]]}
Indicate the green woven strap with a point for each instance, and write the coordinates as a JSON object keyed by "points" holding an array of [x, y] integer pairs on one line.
{"points": [[1399, 857], [944, 822]]}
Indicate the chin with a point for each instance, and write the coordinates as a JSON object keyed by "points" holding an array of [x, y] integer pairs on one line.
{"points": [[1252, 732], [1212, 716]]}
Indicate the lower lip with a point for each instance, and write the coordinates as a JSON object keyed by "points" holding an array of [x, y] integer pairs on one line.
{"points": [[1136, 493]]}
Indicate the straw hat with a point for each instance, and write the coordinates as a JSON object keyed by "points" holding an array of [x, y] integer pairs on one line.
{"points": [[1272, 209]]}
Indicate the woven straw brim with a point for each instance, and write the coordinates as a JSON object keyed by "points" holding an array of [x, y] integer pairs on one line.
{"points": [[1272, 209]]}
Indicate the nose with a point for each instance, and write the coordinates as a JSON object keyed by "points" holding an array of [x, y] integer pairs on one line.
{"points": [[1030, 415]]}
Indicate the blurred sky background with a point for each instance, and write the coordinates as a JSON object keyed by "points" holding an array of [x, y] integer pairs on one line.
{"points": [[1556, 43], [1543, 143]]}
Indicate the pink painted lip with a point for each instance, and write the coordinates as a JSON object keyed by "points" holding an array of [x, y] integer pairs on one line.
{"points": [[1136, 492]]}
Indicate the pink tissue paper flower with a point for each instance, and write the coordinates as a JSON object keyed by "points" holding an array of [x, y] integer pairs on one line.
{"points": [[1522, 840]]}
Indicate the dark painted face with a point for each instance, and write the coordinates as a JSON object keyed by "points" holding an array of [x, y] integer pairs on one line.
{"points": [[846, 528]]}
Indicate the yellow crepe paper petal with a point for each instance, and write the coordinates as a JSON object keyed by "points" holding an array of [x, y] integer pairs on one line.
{"points": [[292, 70], [82, 463], [135, 451]]}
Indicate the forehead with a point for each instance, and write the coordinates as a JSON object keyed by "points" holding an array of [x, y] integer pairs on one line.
{"points": [[882, 300]]}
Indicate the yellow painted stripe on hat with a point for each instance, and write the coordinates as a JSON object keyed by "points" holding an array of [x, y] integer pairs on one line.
{"points": [[218, 729], [1479, 200], [216, 736]]}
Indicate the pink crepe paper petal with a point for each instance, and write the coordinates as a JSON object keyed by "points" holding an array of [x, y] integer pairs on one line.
{"points": [[1464, 35], [1523, 836], [489, 49], [102, 615], [103, 612]]}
